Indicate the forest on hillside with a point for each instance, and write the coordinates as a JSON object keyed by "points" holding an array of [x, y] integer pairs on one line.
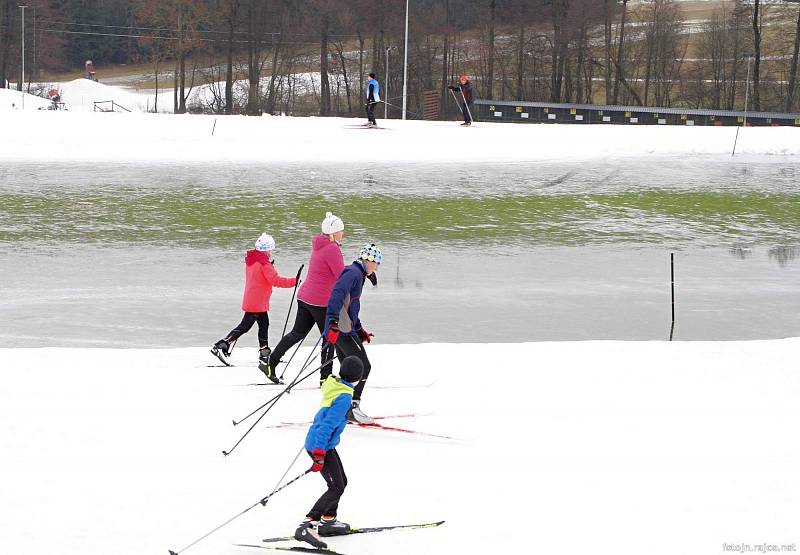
{"points": [[312, 56]]}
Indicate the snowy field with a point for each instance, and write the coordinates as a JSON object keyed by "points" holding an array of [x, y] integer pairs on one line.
{"points": [[82, 135], [586, 447], [94, 137]]}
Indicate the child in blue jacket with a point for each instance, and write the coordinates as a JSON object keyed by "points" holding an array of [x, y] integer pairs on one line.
{"points": [[321, 442]]}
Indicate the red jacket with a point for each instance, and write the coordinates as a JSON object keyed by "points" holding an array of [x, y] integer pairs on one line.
{"points": [[260, 278]]}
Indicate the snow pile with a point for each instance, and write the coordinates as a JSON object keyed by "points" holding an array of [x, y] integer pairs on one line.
{"points": [[80, 95], [11, 99], [133, 137], [119, 451]]}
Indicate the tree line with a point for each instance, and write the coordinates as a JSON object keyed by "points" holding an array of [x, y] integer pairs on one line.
{"points": [[312, 56]]}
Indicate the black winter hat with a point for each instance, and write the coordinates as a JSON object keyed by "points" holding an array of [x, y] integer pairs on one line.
{"points": [[351, 369]]}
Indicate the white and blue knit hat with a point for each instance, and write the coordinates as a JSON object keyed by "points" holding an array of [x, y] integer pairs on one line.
{"points": [[370, 252], [265, 243]]}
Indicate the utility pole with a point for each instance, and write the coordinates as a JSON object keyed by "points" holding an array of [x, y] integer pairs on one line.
{"points": [[405, 66], [386, 87], [22, 75]]}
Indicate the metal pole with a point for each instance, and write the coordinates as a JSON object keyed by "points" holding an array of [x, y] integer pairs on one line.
{"points": [[22, 77], [672, 289], [747, 90], [386, 87], [405, 67]]}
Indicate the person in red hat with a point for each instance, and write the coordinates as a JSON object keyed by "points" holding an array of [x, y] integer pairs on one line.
{"points": [[465, 87]]}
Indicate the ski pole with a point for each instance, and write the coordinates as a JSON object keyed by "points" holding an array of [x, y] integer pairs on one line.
{"points": [[466, 106], [274, 402], [305, 365], [297, 280], [399, 108], [308, 358], [262, 502], [291, 358], [460, 109]]}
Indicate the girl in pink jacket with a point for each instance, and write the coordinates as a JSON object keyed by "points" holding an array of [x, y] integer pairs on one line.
{"points": [[324, 268], [260, 278]]}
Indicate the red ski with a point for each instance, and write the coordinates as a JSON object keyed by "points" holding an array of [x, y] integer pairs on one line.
{"points": [[403, 430], [308, 422]]}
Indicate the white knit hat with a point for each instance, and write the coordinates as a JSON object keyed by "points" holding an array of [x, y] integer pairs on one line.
{"points": [[331, 224], [265, 243]]}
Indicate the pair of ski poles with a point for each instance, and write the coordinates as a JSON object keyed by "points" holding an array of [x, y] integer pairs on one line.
{"points": [[466, 106]]}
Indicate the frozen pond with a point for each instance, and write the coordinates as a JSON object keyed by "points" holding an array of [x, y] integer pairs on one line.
{"points": [[150, 255]]}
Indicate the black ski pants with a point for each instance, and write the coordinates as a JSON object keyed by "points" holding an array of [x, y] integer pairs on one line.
{"points": [[371, 112], [334, 475], [349, 345], [307, 315], [247, 322]]}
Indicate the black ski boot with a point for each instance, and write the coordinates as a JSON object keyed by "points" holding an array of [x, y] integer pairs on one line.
{"points": [[265, 366], [307, 532], [329, 526], [221, 350]]}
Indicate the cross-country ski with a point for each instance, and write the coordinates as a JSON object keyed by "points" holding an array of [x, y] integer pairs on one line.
{"points": [[367, 530], [294, 549]]}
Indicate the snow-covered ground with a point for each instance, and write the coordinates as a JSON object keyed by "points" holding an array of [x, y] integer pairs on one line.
{"points": [[588, 447], [12, 100], [87, 137]]}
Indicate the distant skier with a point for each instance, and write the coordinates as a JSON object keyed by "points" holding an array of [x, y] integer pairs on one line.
{"points": [[324, 268], [343, 328], [91, 74], [465, 88], [260, 278], [373, 97], [321, 441]]}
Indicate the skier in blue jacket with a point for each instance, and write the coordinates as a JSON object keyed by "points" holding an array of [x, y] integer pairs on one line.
{"points": [[373, 97], [321, 442], [343, 327]]}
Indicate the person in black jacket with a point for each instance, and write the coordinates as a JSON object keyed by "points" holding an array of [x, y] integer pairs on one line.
{"points": [[465, 87]]}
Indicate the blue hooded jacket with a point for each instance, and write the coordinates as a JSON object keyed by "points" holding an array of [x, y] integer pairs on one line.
{"points": [[345, 300], [373, 91], [331, 419]]}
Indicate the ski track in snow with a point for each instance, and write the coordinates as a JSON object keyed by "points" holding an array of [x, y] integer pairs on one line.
{"points": [[572, 447]]}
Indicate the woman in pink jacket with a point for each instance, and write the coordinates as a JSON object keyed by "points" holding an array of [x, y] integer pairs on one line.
{"points": [[260, 278], [324, 268]]}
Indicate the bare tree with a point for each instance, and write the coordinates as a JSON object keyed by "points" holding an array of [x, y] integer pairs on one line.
{"points": [[757, 24], [665, 47], [620, 52], [256, 23], [7, 23], [790, 94], [607, 25]]}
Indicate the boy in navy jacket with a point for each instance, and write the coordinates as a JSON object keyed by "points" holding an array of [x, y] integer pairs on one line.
{"points": [[321, 442], [343, 327]]}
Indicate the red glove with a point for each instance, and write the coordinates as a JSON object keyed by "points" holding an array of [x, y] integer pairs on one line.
{"points": [[363, 335], [333, 333], [319, 459]]}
